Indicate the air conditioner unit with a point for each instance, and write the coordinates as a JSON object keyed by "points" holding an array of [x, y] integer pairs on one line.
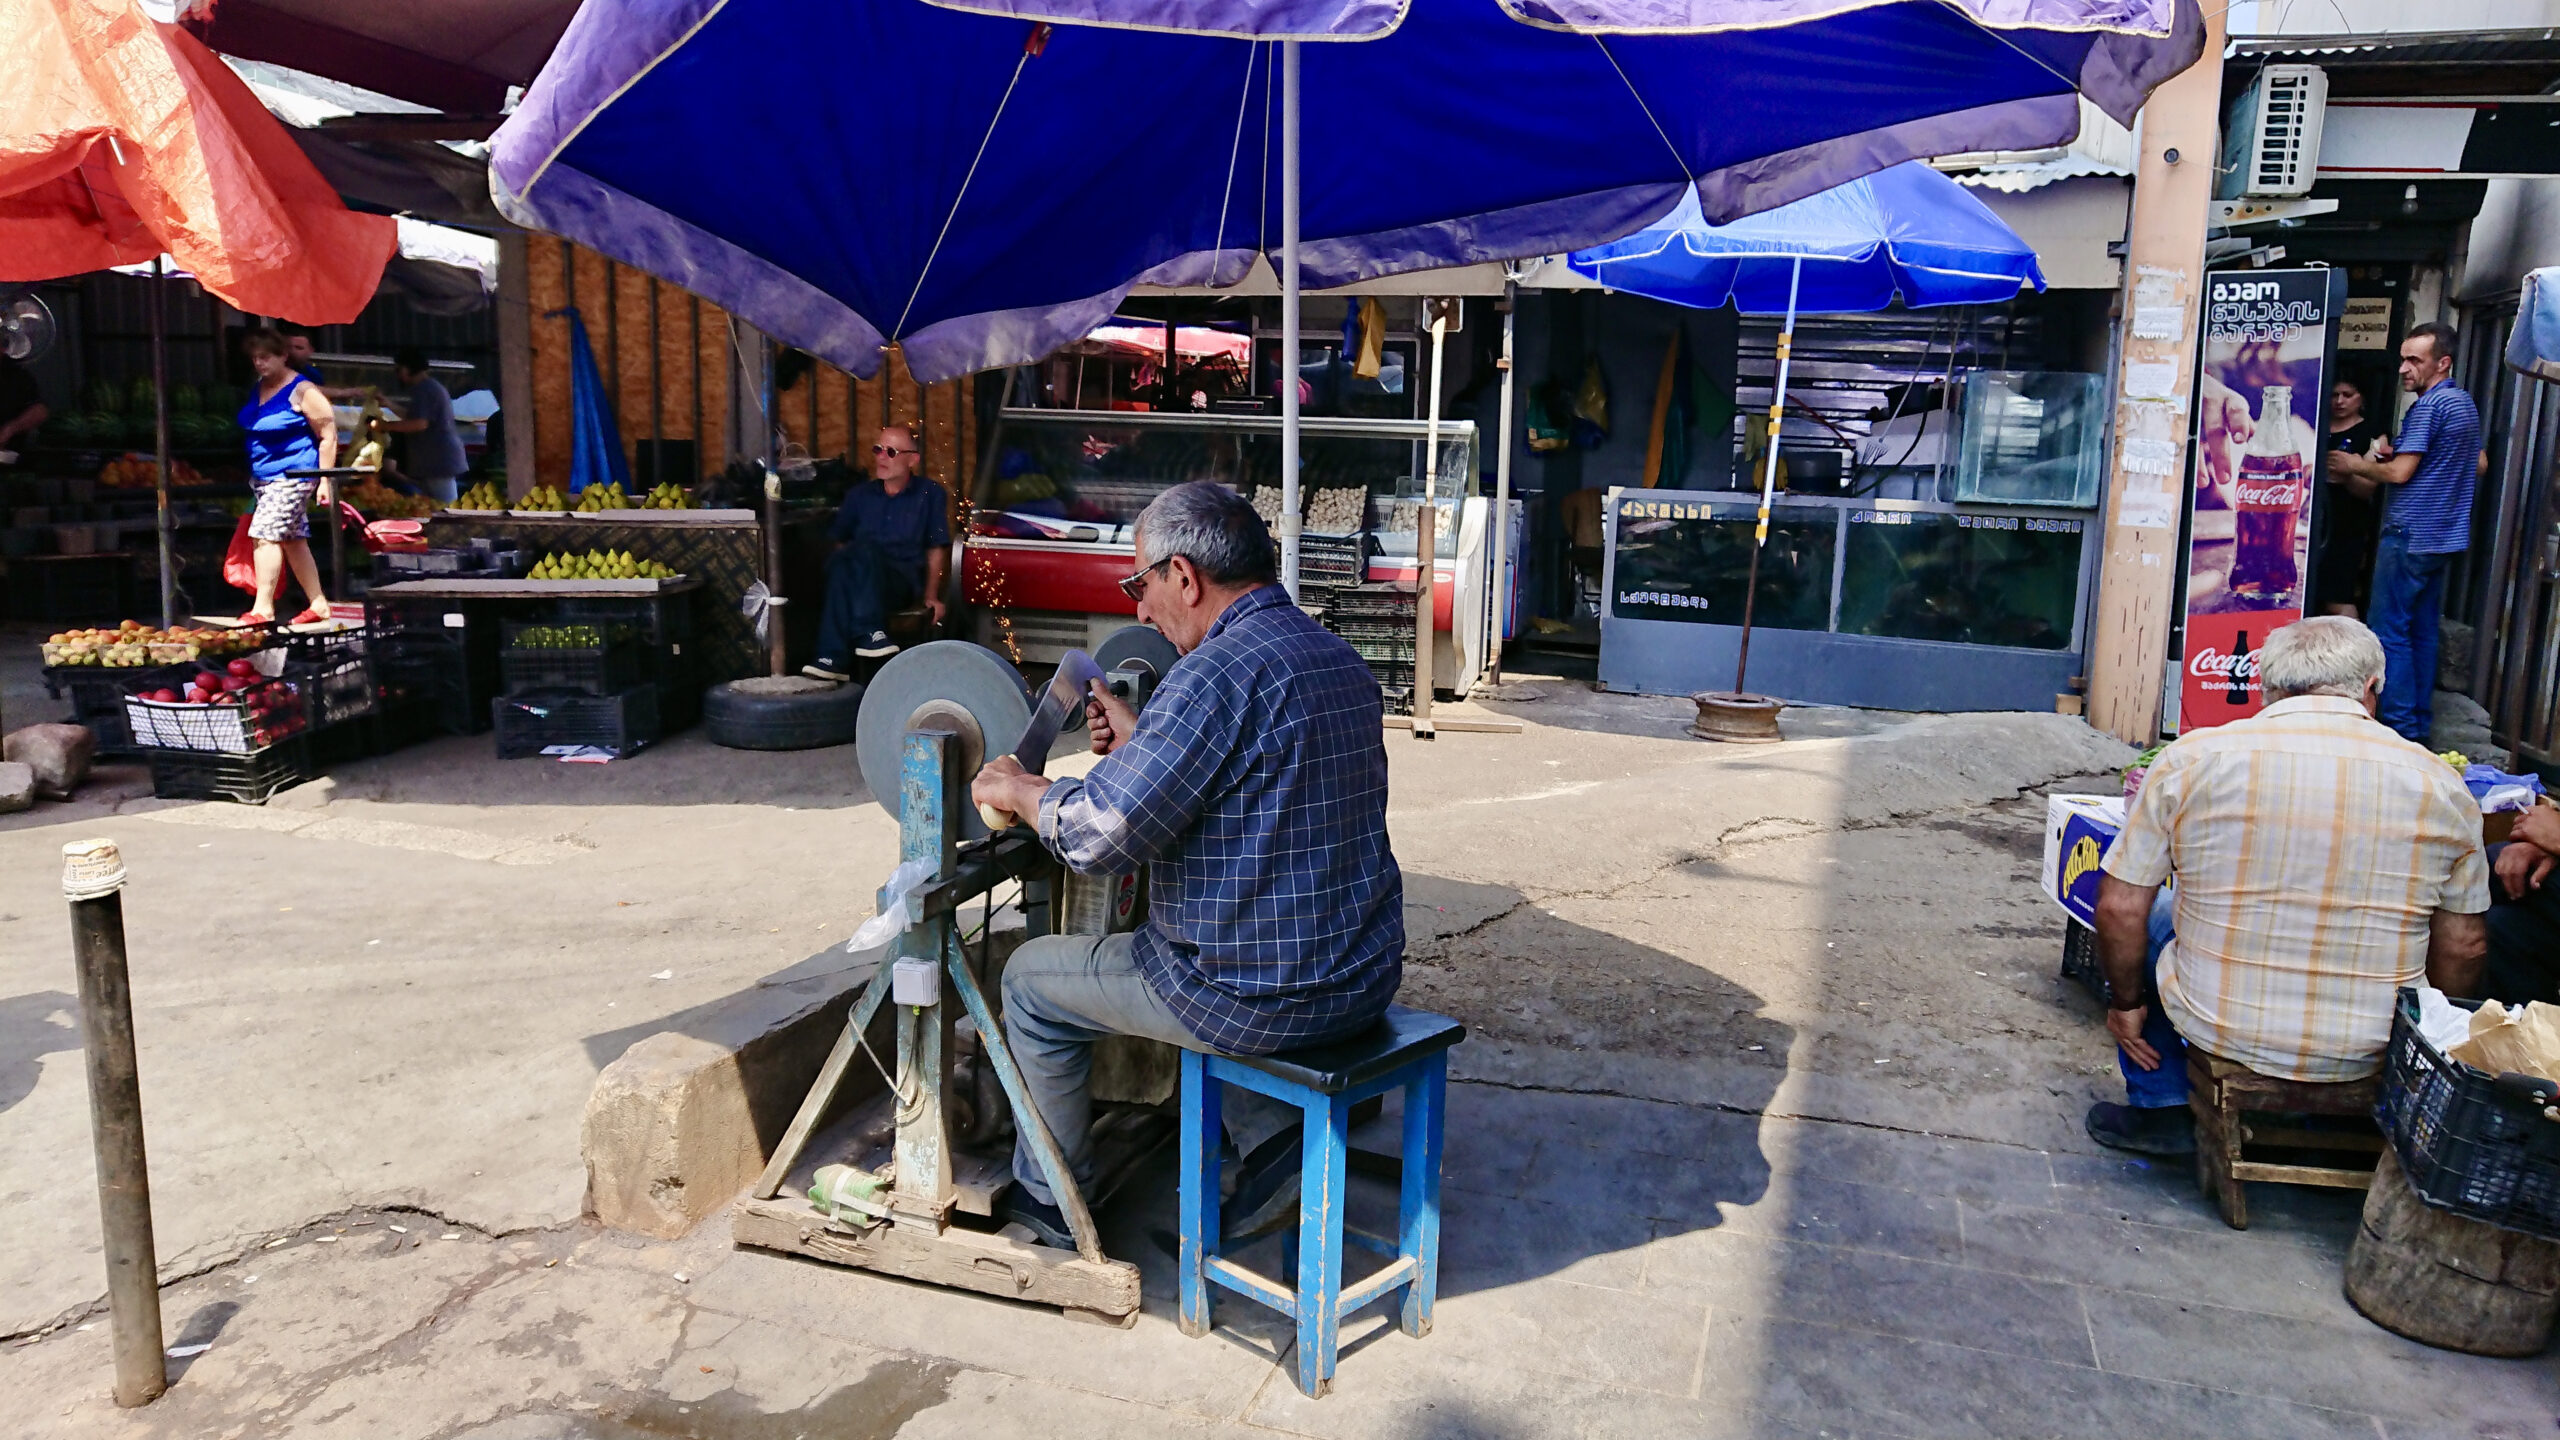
{"points": [[2272, 145]]}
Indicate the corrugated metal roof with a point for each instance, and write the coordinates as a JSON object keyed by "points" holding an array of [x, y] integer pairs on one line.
{"points": [[2429, 47]]}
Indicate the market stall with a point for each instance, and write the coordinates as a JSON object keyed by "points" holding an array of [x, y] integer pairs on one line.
{"points": [[1049, 542], [1927, 554]]}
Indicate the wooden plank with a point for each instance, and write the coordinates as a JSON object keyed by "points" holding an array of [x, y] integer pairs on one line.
{"points": [[515, 355], [2302, 1175], [961, 1259], [452, 589], [546, 277], [2164, 269], [2294, 1138]]}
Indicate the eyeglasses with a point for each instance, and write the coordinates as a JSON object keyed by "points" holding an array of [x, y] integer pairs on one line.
{"points": [[1135, 587], [892, 450]]}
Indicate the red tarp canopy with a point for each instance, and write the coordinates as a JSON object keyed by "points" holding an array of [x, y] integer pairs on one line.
{"points": [[121, 139]]}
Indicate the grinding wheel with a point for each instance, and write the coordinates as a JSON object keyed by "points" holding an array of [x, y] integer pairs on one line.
{"points": [[949, 684], [1137, 647]]}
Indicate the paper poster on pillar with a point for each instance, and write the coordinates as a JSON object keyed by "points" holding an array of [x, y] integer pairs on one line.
{"points": [[2267, 347]]}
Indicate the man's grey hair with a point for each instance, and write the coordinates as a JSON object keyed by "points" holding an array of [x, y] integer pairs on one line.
{"points": [[1214, 528], [2324, 655]]}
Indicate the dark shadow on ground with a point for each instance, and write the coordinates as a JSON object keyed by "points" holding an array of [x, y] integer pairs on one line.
{"points": [[32, 1026]]}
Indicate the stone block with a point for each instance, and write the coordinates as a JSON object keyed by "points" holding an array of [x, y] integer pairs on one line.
{"points": [[684, 1119], [17, 787], [58, 753]]}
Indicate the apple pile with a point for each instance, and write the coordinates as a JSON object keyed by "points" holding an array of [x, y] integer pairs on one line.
{"points": [[211, 687]]}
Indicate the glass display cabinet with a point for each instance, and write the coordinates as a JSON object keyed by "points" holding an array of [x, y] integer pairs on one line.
{"points": [[1051, 534]]}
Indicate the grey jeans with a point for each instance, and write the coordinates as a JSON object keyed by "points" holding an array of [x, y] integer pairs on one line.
{"points": [[1061, 992]]}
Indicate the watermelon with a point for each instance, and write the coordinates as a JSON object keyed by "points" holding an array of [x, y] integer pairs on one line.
{"points": [[105, 395], [185, 399]]}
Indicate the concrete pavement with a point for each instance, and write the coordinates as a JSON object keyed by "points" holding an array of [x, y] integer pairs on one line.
{"points": [[1768, 1123]]}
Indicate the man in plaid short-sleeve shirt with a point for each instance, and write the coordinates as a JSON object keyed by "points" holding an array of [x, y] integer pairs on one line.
{"points": [[1255, 790], [2321, 861]]}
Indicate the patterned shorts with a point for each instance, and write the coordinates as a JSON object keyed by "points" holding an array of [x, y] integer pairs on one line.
{"points": [[283, 511]]}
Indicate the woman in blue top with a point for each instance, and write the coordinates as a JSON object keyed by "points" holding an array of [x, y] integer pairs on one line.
{"points": [[291, 426]]}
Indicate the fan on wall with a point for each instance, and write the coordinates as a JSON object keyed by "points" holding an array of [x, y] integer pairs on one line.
{"points": [[26, 327]]}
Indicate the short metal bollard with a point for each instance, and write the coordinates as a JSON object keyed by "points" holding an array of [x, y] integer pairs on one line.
{"points": [[93, 881]]}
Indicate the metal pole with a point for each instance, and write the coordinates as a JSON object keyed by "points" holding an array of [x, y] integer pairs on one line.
{"points": [[160, 436], [1289, 163], [93, 881], [1768, 474], [776, 643], [1426, 545], [1502, 490]]}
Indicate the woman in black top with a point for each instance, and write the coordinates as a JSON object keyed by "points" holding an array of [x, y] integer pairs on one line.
{"points": [[2351, 524]]}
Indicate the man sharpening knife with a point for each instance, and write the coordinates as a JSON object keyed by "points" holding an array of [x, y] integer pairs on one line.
{"points": [[1255, 786]]}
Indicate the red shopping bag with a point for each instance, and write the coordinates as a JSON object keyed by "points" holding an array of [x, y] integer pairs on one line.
{"points": [[240, 562]]}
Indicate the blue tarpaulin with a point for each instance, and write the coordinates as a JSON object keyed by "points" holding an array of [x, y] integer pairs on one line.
{"points": [[595, 436], [982, 186], [1907, 232]]}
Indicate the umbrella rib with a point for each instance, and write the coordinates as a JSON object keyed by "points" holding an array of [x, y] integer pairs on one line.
{"points": [[898, 330], [1244, 100], [2034, 59], [1623, 78]]}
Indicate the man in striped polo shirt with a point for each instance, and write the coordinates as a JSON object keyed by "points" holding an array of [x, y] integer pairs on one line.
{"points": [[2428, 480]]}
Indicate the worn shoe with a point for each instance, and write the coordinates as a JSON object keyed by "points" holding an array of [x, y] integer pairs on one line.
{"points": [[824, 669], [1266, 1197], [1039, 1217], [877, 647], [2168, 1130]]}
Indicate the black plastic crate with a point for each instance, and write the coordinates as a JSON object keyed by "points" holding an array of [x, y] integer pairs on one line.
{"points": [[97, 696], [249, 779], [665, 618], [2468, 1142], [336, 693], [2080, 959], [324, 649], [608, 666], [528, 724], [444, 679]]}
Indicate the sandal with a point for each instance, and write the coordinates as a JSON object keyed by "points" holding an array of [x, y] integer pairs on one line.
{"points": [[311, 617]]}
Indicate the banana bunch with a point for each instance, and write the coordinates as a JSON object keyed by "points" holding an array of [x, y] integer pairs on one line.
{"points": [[669, 496], [483, 496], [598, 565], [602, 497], [543, 497]]}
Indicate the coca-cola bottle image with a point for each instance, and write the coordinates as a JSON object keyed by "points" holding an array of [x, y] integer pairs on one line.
{"points": [[2267, 499], [2237, 692]]}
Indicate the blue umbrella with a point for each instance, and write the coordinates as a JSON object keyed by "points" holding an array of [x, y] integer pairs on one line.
{"points": [[595, 437], [1906, 232], [981, 181]]}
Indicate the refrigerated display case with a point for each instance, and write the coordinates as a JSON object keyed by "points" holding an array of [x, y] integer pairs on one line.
{"points": [[1051, 535]]}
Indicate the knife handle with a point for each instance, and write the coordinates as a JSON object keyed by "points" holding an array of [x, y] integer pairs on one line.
{"points": [[996, 819]]}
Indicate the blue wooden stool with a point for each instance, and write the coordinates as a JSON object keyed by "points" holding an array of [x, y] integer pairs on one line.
{"points": [[1407, 1049]]}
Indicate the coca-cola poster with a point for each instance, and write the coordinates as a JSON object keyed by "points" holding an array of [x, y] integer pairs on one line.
{"points": [[2268, 343]]}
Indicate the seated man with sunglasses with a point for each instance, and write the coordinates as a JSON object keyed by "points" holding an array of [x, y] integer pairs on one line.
{"points": [[1255, 788], [893, 545]]}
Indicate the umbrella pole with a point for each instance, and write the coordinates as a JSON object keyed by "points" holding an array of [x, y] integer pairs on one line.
{"points": [[160, 437], [1768, 474], [1502, 494], [1289, 516]]}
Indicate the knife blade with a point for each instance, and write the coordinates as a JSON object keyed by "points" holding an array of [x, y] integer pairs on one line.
{"points": [[1062, 698]]}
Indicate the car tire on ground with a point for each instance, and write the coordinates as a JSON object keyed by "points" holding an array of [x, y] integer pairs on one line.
{"points": [[780, 712]]}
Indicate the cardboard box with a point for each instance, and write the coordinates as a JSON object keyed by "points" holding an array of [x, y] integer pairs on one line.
{"points": [[2077, 831]]}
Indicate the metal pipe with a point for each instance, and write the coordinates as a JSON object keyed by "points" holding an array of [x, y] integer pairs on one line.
{"points": [[160, 437], [657, 401], [1768, 475], [1502, 489], [1426, 543], [2500, 577], [93, 881], [1290, 522]]}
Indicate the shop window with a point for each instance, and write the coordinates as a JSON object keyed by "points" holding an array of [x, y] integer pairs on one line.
{"points": [[1973, 579], [1694, 568]]}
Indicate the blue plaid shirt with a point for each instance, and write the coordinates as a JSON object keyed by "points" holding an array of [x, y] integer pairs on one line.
{"points": [[1255, 785]]}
